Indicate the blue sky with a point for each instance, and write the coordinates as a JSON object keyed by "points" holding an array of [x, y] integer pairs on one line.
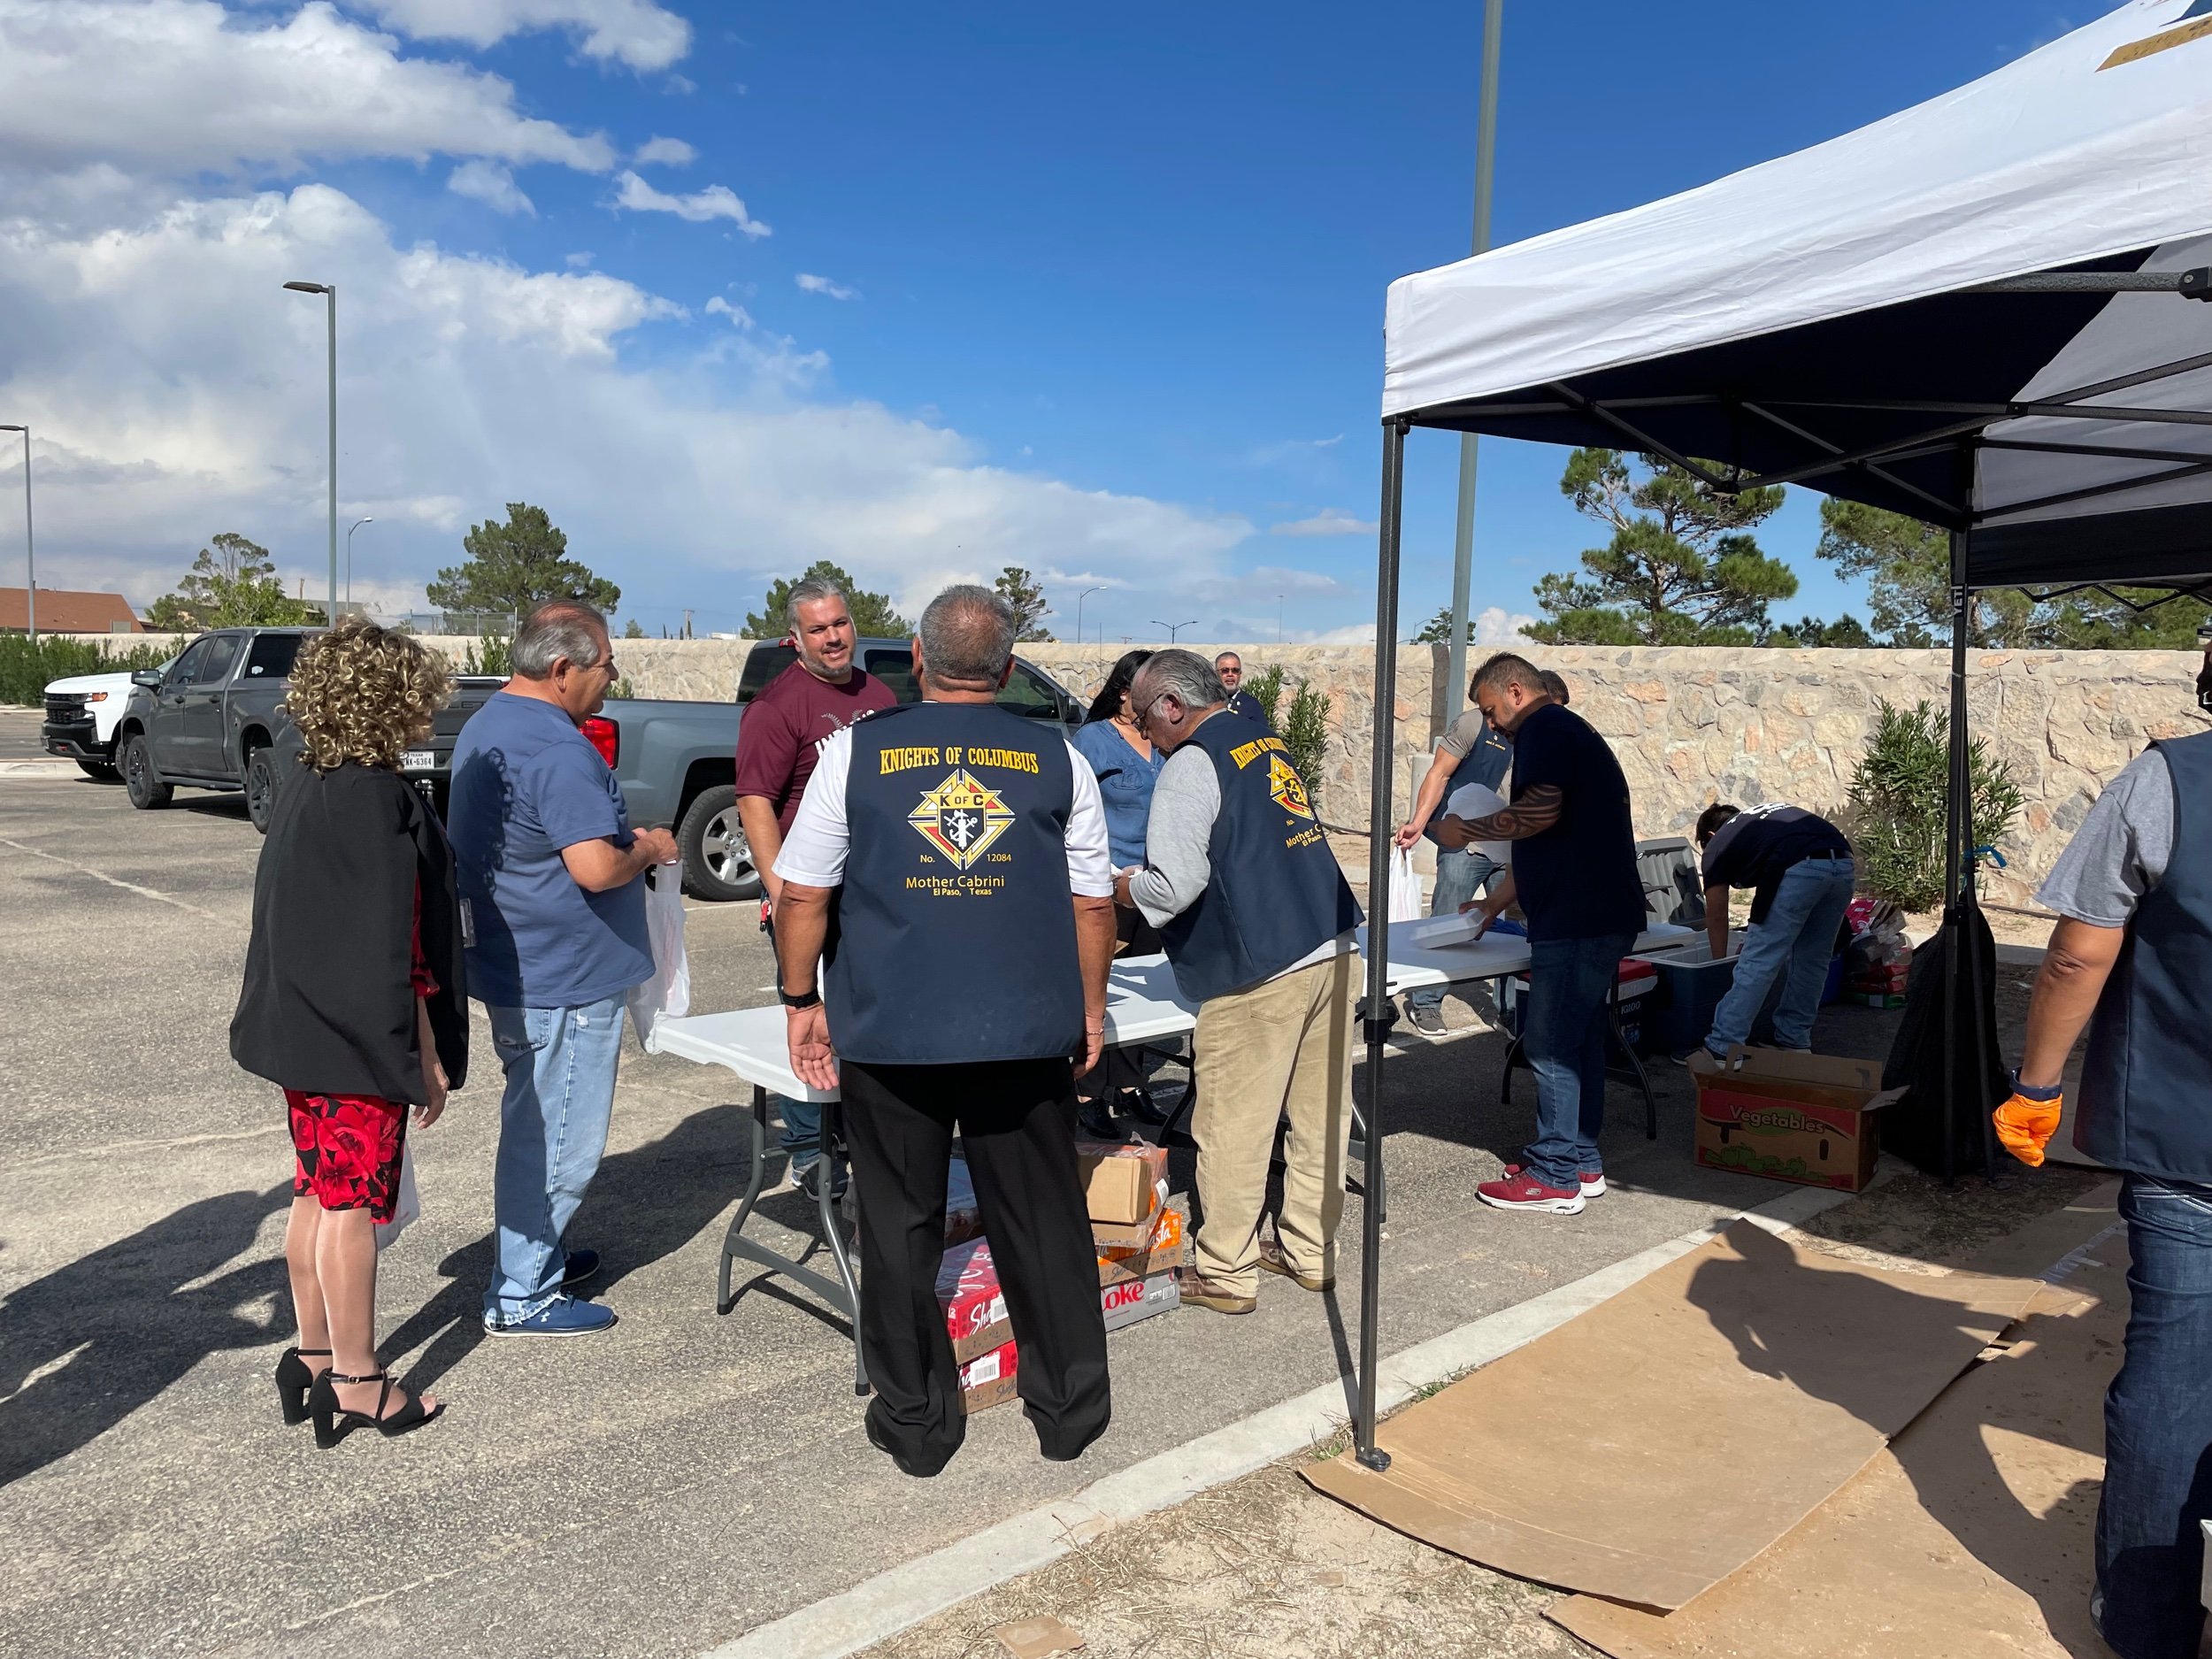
{"points": [[1097, 291]]}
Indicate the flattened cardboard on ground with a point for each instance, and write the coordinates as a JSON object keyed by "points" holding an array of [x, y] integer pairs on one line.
{"points": [[1651, 1446], [1972, 1537]]}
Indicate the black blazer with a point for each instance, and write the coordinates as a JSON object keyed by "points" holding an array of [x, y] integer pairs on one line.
{"points": [[329, 1004]]}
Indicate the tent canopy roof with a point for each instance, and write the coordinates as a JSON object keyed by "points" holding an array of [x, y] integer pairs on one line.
{"points": [[1825, 319]]}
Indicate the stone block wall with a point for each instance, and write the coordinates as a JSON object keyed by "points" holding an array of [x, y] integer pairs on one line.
{"points": [[1691, 726]]}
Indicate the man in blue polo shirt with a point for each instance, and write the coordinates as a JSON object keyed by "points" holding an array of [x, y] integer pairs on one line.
{"points": [[554, 917], [1574, 874]]}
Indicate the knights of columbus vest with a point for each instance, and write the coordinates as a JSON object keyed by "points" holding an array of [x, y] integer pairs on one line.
{"points": [[955, 932], [1274, 894], [2144, 1083]]}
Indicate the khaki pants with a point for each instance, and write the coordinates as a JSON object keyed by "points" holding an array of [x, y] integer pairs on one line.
{"points": [[1284, 1047]]}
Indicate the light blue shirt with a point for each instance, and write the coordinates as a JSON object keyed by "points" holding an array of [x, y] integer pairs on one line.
{"points": [[1124, 784]]}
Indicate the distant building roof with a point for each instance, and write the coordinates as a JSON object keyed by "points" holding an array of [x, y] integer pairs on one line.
{"points": [[61, 612]]}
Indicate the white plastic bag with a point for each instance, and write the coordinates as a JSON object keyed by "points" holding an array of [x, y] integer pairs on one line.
{"points": [[668, 993], [1405, 888], [1473, 800], [408, 1205]]}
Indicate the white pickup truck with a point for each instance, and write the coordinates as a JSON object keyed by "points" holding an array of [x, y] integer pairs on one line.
{"points": [[82, 713]]}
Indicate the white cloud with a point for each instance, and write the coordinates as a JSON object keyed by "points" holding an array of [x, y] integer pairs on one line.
{"points": [[636, 33], [666, 153], [1498, 626], [171, 88], [1328, 521], [813, 284], [1290, 449], [178, 392], [717, 201], [740, 318], [488, 182]]}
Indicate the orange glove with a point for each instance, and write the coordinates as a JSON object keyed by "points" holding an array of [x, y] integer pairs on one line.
{"points": [[2026, 1122]]}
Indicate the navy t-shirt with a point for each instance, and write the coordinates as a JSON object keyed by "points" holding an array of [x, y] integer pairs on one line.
{"points": [[526, 784], [1760, 845], [1578, 879]]}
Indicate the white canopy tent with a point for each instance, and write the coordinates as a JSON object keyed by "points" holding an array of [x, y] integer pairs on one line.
{"points": [[1983, 311]]}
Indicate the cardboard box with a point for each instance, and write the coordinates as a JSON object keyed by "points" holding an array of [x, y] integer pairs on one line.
{"points": [[975, 1307], [988, 1380], [1164, 1252], [1127, 1303], [1803, 1117], [1123, 1185]]}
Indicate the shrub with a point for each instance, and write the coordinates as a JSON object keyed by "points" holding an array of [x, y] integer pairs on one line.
{"points": [[1305, 727], [25, 668], [498, 656], [1898, 795]]}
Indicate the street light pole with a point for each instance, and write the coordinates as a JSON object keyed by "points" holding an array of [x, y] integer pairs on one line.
{"points": [[1174, 628], [329, 291], [1079, 598], [30, 551], [355, 524], [1463, 532]]}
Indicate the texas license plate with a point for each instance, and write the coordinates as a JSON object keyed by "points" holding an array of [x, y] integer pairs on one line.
{"points": [[418, 760]]}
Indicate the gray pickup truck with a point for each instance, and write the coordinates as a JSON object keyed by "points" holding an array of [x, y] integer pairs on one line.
{"points": [[214, 719], [676, 762]]}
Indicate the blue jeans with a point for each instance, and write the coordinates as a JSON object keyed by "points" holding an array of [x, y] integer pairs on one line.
{"points": [[1794, 944], [560, 1064], [2158, 1427], [1459, 877], [802, 1133], [1564, 1036]]}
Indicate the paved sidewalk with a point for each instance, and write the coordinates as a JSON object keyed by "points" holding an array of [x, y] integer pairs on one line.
{"points": [[656, 1490]]}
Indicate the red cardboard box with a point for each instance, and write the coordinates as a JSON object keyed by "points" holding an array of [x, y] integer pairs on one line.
{"points": [[975, 1307], [988, 1380], [1803, 1117]]}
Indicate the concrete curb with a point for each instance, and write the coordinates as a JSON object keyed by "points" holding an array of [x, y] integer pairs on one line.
{"points": [[894, 1600], [37, 768]]}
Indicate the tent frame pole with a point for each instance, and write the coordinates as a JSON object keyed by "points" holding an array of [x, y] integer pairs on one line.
{"points": [[1958, 874], [1378, 1012]]}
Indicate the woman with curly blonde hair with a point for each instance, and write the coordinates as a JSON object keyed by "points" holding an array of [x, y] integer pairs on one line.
{"points": [[354, 1002]]}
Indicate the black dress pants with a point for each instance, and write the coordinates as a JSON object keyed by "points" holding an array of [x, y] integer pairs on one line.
{"points": [[1016, 1123]]}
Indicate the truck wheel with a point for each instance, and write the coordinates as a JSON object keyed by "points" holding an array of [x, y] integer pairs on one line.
{"points": [[261, 786], [140, 782], [98, 771], [718, 863]]}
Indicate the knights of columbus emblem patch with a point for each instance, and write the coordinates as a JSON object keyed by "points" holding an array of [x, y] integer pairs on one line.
{"points": [[1282, 783], [961, 818]]}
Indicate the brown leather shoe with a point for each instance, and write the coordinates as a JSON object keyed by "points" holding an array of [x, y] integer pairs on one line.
{"points": [[1274, 1261], [1198, 1290]]}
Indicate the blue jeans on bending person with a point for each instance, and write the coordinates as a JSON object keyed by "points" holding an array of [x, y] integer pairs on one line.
{"points": [[560, 1068], [1459, 877], [2158, 1428], [1564, 1036], [1794, 944]]}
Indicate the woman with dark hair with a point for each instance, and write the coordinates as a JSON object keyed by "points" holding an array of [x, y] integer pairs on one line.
{"points": [[353, 1001], [1128, 766]]}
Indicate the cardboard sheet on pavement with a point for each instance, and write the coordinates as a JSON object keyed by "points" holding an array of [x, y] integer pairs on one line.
{"points": [[1650, 1447], [1972, 1537]]}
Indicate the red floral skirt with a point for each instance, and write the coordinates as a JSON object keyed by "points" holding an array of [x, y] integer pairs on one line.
{"points": [[349, 1150]]}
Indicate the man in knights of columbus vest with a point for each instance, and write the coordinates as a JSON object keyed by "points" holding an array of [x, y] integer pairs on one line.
{"points": [[948, 871], [1257, 923], [2132, 962]]}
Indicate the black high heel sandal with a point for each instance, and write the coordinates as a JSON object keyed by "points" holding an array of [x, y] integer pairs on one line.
{"points": [[333, 1422], [294, 1378]]}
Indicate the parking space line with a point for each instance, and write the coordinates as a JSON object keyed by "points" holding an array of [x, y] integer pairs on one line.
{"points": [[128, 886]]}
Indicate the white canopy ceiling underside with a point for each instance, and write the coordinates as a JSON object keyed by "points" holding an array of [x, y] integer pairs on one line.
{"points": [[2094, 147]]}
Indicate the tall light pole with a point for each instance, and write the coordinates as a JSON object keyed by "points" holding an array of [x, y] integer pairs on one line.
{"points": [[1464, 534], [355, 524], [329, 291], [30, 553], [1174, 628], [1079, 598]]}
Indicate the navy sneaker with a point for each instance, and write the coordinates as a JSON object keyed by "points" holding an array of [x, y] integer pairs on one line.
{"points": [[579, 1266], [563, 1316]]}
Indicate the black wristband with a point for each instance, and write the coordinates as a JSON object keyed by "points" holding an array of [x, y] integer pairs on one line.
{"points": [[2056, 1092], [800, 1000]]}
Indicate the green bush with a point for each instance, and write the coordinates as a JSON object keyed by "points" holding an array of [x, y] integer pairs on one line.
{"points": [[1305, 728], [1898, 795], [497, 656], [25, 668]]}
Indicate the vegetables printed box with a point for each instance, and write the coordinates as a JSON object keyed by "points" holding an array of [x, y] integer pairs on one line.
{"points": [[1801, 1117]]}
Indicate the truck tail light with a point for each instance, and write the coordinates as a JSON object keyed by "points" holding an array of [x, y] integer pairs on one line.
{"points": [[605, 736]]}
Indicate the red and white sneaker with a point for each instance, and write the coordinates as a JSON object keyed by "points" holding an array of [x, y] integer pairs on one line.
{"points": [[1525, 1192], [1593, 1181]]}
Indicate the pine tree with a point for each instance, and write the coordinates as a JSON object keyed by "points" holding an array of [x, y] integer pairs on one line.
{"points": [[1020, 590], [515, 566], [874, 616]]}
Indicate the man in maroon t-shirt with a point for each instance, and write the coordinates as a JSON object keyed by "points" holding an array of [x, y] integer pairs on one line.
{"points": [[777, 742]]}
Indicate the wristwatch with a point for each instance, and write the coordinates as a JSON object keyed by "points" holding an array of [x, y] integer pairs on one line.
{"points": [[800, 999]]}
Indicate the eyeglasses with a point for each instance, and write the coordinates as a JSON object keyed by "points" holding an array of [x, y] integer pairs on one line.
{"points": [[1139, 716]]}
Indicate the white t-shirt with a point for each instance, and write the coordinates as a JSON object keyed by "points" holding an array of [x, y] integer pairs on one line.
{"points": [[814, 852]]}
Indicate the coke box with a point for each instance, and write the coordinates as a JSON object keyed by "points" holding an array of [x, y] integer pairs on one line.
{"points": [[975, 1307], [988, 1380], [1135, 1299]]}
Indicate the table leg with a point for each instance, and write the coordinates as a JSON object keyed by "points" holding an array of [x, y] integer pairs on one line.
{"points": [[833, 1138], [732, 1239], [1635, 1062], [841, 1293]]}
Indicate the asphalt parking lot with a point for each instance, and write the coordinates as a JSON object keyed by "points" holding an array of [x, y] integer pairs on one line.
{"points": [[657, 1490]]}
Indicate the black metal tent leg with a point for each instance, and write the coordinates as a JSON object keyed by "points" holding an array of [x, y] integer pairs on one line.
{"points": [[1958, 831], [1378, 1012]]}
